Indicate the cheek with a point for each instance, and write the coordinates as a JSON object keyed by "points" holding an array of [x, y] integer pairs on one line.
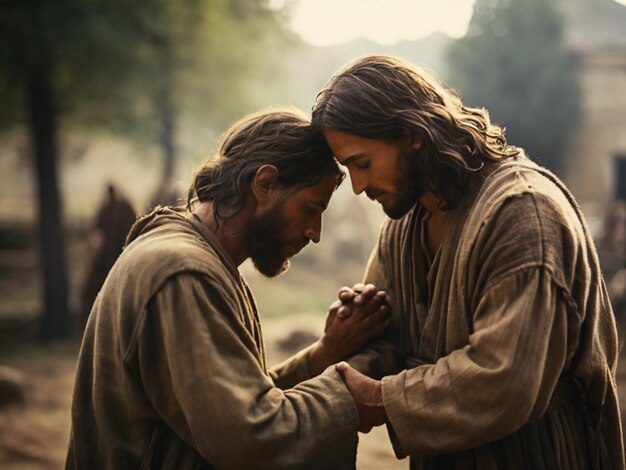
{"points": [[288, 231], [382, 177]]}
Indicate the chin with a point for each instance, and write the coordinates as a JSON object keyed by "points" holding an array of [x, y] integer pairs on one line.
{"points": [[271, 269], [400, 207], [396, 212]]}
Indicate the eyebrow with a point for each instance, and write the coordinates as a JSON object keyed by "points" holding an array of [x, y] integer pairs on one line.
{"points": [[319, 205], [352, 158]]}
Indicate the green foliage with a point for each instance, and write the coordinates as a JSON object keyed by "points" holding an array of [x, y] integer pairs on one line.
{"points": [[114, 61], [206, 56], [122, 65], [513, 62], [79, 41], [231, 70]]}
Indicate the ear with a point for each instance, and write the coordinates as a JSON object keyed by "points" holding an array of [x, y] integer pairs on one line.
{"points": [[416, 142], [265, 184], [414, 139]]}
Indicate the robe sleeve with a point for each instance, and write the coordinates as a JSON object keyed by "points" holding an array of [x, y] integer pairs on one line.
{"points": [[383, 356], [203, 376], [292, 370], [500, 380]]}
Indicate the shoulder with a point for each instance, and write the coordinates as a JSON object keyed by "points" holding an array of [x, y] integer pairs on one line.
{"points": [[187, 288], [171, 248], [526, 217], [529, 199], [160, 254]]}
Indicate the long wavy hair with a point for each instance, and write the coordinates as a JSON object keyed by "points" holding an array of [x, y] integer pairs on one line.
{"points": [[384, 97], [280, 137]]}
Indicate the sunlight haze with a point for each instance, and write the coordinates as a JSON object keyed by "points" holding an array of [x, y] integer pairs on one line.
{"points": [[329, 22]]}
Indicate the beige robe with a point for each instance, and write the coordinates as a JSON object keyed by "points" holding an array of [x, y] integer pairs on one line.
{"points": [[512, 303], [172, 370]]}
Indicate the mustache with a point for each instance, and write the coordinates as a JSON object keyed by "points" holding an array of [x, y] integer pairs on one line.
{"points": [[301, 245], [373, 193], [277, 244]]}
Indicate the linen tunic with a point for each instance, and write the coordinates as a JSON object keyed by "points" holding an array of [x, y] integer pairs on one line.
{"points": [[172, 370], [504, 345]]}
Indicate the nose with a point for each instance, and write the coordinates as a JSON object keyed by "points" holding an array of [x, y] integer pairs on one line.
{"points": [[314, 232], [359, 183]]}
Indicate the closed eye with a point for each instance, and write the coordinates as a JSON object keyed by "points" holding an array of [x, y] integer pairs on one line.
{"points": [[314, 206], [363, 166]]}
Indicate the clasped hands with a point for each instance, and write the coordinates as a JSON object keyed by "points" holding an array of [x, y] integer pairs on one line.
{"points": [[360, 314]]}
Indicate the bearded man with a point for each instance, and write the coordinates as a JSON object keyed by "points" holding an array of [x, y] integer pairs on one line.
{"points": [[503, 349], [172, 370]]}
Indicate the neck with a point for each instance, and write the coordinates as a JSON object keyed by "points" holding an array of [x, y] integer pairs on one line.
{"points": [[437, 223], [230, 233], [431, 203]]}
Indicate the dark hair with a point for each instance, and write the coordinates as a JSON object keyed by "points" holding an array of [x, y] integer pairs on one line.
{"points": [[280, 137], [384, 97]]}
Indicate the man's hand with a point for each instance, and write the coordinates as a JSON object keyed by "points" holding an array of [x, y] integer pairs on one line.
{"points": [[349, 327], [367, 394], [357, 295], [361, 303]]}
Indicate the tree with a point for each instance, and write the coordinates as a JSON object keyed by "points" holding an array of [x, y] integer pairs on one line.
{"points": [[57, 59], [136, 68], [199, 61], [513, 61]]}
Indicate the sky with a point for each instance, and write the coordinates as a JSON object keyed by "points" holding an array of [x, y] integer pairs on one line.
{"points": [[331, 22]]}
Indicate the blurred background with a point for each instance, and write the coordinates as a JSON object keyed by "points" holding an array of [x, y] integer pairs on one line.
{"points": [[107, 107]]}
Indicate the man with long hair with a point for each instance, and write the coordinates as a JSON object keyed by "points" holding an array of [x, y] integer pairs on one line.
{"points": [[503, 348], [172, 370]]}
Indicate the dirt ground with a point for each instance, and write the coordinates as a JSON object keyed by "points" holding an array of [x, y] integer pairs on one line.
{"points": [[34, 435]]}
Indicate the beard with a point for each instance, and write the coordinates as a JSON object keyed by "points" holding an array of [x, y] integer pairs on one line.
{"points": [[265, 244], [409, 185]]}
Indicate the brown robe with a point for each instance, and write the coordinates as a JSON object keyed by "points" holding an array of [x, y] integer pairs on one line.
{"points": [[507, 336], [172, 370]]}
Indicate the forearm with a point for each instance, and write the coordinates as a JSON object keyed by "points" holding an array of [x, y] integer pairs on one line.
{"points": [[288, 429], [294, 369], [312, 361], [503, 378], [380, 358], [445, 407], [205, 380]]}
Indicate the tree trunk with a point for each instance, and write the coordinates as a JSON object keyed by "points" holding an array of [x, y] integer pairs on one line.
{"points": [[167, 136], [55, 320], [167, 115], [165, 108]]}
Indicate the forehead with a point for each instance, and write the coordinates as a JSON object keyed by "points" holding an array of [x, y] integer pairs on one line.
{"points": [[347, 147], [344, 140], [319, 192]]}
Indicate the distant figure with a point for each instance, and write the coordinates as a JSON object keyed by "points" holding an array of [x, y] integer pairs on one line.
{"points": [[616, 285], [612, 244], [612, 254], [107, 237]]}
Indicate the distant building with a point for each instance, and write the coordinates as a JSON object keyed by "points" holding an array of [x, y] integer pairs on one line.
{"points": [[595, 167]]}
